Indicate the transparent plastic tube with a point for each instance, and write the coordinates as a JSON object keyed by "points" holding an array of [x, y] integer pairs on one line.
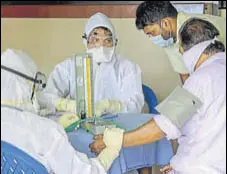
{"points": [[74, 125]]}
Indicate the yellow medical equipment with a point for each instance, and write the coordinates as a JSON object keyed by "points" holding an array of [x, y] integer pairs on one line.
{"points": [[84, 85]]}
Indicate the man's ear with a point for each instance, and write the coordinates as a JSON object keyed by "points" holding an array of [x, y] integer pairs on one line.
{"points": [[165, 24]]}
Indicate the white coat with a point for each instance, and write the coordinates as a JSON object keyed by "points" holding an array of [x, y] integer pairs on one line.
{"points": [[202, 140]]}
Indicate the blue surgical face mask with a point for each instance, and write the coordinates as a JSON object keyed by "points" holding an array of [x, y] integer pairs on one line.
{"points": [[160, 41]]}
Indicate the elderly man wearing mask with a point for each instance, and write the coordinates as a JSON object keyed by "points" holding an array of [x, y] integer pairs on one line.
{"points": [[201, 133], [117, 81], [41, 138]]}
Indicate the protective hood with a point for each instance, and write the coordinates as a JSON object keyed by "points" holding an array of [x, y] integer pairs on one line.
{"points": [[98, 20], [16, 90]]}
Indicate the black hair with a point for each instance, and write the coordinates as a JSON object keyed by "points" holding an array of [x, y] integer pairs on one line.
{"points": [[150, 12], [196, 30], [104, 28]]}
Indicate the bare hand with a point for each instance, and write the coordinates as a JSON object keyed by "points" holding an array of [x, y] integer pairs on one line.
{"points": [[98, 145], [166, 169]]}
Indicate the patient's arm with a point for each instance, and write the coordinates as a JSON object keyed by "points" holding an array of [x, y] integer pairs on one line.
{"points": [[147, 133], [155, 129]]}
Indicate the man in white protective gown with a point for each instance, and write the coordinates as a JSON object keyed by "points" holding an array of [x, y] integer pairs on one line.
{"points": [[117, 81], [41, 138]]}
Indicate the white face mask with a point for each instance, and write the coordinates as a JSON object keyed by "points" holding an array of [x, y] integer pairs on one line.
{"points": [[102, 54], [192, 56]]}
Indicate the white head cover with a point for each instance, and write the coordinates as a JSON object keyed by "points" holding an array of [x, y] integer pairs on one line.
{"points": [[192, 56], [98, 20], [15, 90]]}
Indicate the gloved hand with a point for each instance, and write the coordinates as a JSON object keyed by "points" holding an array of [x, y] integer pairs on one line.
{"points": [[46, 111], [107, 106], [67, 119], [66, 105], [113, 139]]}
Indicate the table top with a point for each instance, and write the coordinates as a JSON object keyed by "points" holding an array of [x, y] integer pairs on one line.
{"points": [[130, 158]]}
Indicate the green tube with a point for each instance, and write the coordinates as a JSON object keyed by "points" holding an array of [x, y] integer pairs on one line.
{"points": [[74, 125]]}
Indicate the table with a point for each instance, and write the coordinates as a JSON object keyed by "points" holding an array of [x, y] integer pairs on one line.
{"points": [[130, 158]]}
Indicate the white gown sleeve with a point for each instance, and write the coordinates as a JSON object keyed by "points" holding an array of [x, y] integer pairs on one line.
{"points": [[58, 85], [171, 130], [194, 85]]}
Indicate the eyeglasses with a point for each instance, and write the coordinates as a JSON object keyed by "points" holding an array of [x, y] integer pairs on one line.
{"points": [[39, 82], [97, 41]]}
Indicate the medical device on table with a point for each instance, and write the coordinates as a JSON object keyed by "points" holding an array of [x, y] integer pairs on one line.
{"points": [[85, 97]]}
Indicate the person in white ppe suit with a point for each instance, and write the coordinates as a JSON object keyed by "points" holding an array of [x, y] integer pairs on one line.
{"points": [[202, 134], [41, 138], [117, 81]]}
